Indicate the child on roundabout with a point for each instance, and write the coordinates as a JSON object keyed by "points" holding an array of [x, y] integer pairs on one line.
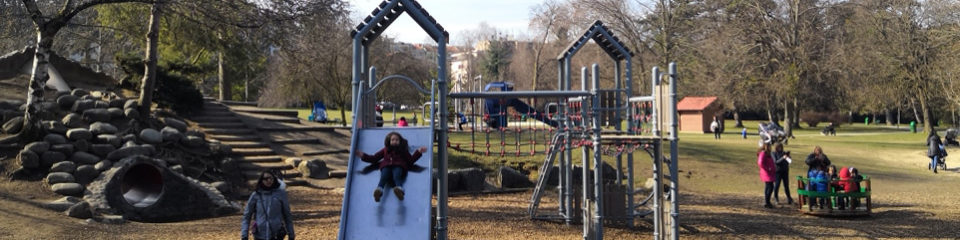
{"points": [[394, 160]]}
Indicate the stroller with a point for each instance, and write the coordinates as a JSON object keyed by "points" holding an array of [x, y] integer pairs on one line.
{"points": [[771, 133], [951, 137], [829, 130]]}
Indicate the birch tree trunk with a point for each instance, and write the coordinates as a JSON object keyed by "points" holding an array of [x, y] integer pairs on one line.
{"points": [[150, 65]]}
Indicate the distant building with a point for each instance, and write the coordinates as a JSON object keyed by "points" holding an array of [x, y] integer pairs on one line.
{"points": [[696, 113]]}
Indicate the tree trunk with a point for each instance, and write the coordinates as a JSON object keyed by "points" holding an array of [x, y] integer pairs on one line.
{"points": [[788, 118], [224, 85], [343, 116], [927, 120], [889, 117], [736, 118], [38, 79], [916, 116], [150, 65]]}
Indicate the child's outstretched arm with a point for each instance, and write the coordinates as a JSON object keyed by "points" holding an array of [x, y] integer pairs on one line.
{"points": [[417, 154], [371, 158]]}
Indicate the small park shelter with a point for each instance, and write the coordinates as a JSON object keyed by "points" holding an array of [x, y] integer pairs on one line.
{"points": [[696, 113]]}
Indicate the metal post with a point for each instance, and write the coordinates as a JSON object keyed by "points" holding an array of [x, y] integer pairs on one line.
{"points": [[357, 76], [442, 141], [673, 151], [585, 160], [567, 154], [562, 175], [655, 81], [618, 118], [368, 101], [657, 163], [597, 162], [630, 128]]}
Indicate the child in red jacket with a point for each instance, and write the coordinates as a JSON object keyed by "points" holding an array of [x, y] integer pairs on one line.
{"points": [[394, 161]]}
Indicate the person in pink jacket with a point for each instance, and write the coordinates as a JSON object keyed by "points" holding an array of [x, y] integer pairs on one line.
{"points": [[767, 172]]}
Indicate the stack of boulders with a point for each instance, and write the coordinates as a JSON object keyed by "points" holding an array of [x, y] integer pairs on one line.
{"points": [[11, 113], [88, 133]]}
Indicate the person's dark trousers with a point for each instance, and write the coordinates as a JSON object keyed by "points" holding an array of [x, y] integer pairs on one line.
{"points": [[716, 134], [391, 176], [767, 190], [782, 177]]}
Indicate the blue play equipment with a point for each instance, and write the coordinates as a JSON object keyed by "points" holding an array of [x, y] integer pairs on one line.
{"points": [[319, 112], [494, 107]]}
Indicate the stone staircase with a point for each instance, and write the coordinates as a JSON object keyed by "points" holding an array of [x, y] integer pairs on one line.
{"points": [[219, 123], [262, 139]]}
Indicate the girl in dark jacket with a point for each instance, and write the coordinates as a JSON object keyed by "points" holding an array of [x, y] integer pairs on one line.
{"points": [[396, 161], [270, 209], [782, 160]]}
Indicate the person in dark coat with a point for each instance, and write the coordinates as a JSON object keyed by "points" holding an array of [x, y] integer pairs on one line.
{"points": [[394, 161], [782, 160], [267, 214], [817, 160], [933, 149]]}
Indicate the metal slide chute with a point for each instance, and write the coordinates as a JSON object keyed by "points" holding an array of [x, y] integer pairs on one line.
{"points": [[363, 218]]}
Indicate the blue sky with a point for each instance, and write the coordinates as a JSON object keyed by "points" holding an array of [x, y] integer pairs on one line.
{"points": [[508, 16]]}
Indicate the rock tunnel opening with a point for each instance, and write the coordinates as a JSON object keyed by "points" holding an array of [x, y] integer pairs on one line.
{"points": [[142, 185]]}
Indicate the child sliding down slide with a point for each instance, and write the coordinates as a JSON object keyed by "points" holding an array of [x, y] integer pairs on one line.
{"points": [[394, 160]]}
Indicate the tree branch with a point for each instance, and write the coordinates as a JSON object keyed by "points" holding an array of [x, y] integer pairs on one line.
{"points": [[66, 17]]}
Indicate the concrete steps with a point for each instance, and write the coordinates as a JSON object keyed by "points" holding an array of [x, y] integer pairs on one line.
{"points": [[222, 125], [230, 131], [263, 158], [252, 174], [264, 165], [279, 113], [324, 152], [253, 151], [235, 137], [297, 141], [295, 129], [246, 144], [216, 119]]}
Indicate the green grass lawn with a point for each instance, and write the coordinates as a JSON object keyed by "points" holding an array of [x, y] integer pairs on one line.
{"points": [[729, 165]]}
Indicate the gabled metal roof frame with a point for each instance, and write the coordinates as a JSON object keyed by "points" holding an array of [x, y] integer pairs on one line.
{"points": [[388, 11], [604, 38]]}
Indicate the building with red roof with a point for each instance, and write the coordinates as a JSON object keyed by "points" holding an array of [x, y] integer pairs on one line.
{"points": [[696, 113]]}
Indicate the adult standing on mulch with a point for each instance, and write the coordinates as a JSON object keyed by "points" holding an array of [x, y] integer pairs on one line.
{"points": [[782, 160], [767, 170]]}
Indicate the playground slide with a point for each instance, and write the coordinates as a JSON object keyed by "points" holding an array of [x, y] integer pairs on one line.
{"points": [[521, 107], [361, 217]]}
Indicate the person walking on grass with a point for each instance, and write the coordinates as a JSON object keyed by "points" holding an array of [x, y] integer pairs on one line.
{"points": [[933, 149], [267, 213], [767, 171], [394, 161], [782, 160], [715, 128]]}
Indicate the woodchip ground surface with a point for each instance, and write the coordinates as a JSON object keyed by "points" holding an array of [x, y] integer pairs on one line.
{"points": [[721, 198]]}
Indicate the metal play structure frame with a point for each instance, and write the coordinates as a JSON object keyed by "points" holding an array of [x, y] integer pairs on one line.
{"points": [[587, 131], [579, 116], [363, 35]]}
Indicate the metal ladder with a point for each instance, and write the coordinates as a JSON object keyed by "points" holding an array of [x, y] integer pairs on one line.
{"points": [[544, 174]]}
